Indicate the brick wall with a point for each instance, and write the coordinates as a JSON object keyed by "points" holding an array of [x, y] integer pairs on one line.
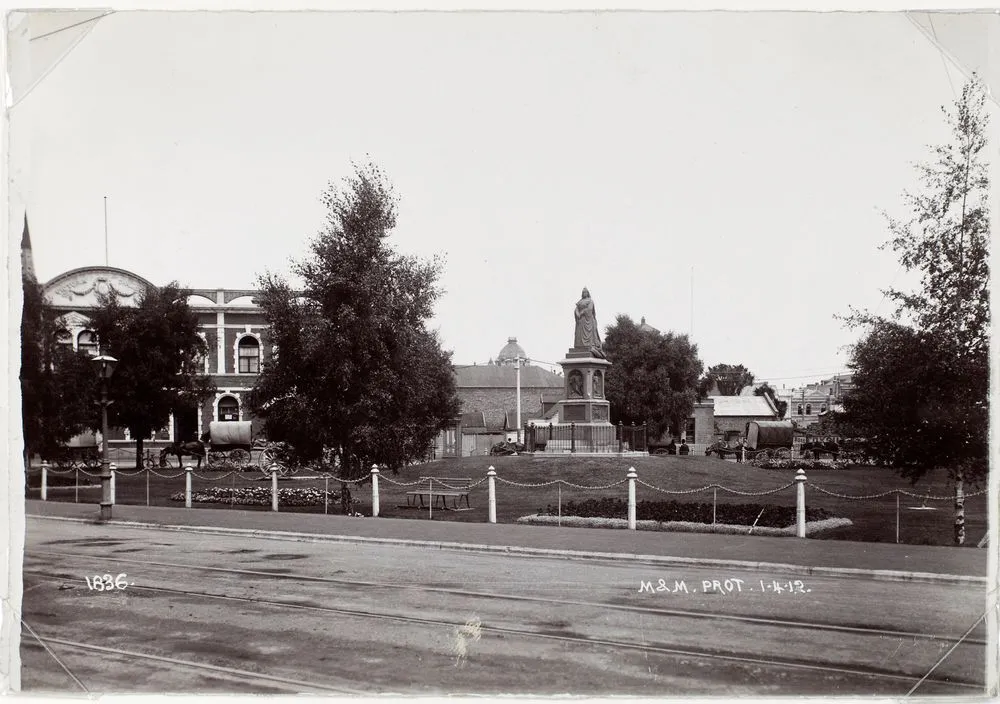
{"points": [[704, 428], [736, 423], [494, 402]]}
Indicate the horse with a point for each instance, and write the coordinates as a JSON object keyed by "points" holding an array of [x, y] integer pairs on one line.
{"points": [[180, 449], [818, 448]]}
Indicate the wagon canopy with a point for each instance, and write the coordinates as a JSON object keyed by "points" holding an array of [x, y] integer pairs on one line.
{"points": [[230, 432], [770, 433], [85, 439]]}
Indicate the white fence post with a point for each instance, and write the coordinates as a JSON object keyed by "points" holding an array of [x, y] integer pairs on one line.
{"points": [[375, 505], [492, 481], [274, 487], [631, 497], [800, 504], [45, 481], [187, 485], [114, 471]]}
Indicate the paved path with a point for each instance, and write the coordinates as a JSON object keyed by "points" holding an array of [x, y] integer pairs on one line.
{"points": [[824, 554]]}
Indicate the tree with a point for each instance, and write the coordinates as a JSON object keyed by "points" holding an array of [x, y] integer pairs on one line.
{"points": [[58, 385], [766, 390], [653, 378], [930, 359], [357, 371], [730, 379], [916, 403], [158, 348]]}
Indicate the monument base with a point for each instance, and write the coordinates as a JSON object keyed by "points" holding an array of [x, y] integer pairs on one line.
{"points": [[585, 401]]}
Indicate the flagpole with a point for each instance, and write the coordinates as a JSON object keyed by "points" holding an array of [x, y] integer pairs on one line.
{"points": [[691, 329], [105, 231]]}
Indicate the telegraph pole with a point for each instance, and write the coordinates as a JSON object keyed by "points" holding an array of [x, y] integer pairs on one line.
{"points": [[105, 230]]}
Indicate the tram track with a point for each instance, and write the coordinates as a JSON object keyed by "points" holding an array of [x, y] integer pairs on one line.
{"points": [[815, 626], [290, 684], [647, 648]]}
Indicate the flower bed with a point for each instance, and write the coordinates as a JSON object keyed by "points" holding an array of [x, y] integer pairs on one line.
{"points": [[813, 528], [258, 496], [765, 515], [798, 464]]}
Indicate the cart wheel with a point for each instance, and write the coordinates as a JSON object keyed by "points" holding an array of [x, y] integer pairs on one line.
{"points": [[239, 458], [215, 460]]}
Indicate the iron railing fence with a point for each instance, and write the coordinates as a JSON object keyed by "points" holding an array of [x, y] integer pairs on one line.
{"points": [[573, 437]]}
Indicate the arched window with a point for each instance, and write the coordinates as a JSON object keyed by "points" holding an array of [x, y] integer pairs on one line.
{"points": [[822, 408], [809, 409], [229, 408], [249, 354], [800, 409], [86, 341]]}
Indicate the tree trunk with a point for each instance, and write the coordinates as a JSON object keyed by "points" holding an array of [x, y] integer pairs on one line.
{"points": [[138, 451], [959, 508]]}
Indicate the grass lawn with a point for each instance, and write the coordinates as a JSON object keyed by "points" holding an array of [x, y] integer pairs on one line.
{"points": [[874, 520]]}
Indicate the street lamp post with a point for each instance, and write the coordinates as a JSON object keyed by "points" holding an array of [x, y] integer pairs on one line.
{"points": [[106, 367], [517, 366]]}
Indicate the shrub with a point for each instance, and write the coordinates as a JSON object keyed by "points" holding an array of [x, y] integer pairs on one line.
{"points": [[664, 511], [258, 496], [797, 464]]}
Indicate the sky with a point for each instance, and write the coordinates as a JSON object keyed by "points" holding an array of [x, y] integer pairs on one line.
{"points": [[723, 175]]}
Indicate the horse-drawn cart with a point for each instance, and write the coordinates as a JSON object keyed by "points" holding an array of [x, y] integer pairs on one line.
{"points": [[231, 444], [82, 451], [770, 438]]}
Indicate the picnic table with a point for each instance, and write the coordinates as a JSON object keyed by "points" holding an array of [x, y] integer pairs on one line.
{"points": [[440, 489]]}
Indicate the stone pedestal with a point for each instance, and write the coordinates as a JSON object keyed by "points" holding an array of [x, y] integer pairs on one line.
{"points": [[585, 402]]}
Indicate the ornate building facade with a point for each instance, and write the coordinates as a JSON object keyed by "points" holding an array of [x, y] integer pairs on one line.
{"points": [[230, 322]]}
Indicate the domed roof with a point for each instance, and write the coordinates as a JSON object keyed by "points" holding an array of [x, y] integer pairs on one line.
{"points": [[510, 352], [646, 327]]}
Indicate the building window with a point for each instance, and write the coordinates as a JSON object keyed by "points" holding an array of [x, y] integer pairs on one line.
{"points": [[229, 408], [800, 409], [249, 355], [809, 409], [822, 408], [87, 342], [689, 429]]}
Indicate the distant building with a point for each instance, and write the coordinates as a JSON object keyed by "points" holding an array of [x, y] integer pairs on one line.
{"points": [[229, 320], [732, 413], [488, 393], [807, 404]]}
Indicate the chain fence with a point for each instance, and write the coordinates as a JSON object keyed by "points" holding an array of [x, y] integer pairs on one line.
{"points": [[311, 491]]}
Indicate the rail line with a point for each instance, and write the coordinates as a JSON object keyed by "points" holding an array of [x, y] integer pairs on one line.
{"points": [[647, 648], [248, 675], [674, 613]]}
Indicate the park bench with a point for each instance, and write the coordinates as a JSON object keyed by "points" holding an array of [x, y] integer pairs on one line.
{"points": [[440, 489]]}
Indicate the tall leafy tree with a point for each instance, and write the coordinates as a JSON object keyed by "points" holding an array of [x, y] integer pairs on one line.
{"points": [[654, 376], [730, 379], [930, 359], [357, 371], [765, 389], [157, 347], [58, 385]]}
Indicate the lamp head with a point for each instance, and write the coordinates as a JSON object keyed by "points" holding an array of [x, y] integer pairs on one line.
{"points": [[106, 366]]}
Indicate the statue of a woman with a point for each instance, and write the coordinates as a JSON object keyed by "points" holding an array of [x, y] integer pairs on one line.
{"points": [[587, 336]]}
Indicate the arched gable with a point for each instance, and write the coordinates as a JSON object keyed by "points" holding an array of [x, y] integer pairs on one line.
{"points": [[79, 288]]}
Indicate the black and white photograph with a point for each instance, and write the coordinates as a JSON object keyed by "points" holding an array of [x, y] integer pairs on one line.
{"points": [[475, 353]]}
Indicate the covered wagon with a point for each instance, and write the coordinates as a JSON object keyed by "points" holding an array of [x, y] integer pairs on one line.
{"points": [[228, 442], [773, 438], [231, 443]]}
